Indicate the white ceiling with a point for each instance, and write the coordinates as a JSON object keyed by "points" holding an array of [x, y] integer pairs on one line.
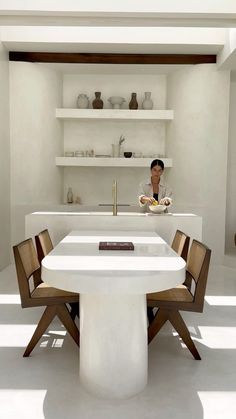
{"points": [[126, 26]]}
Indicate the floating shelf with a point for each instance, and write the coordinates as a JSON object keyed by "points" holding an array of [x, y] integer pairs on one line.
{"points": [[108, 161], [155, 114]]}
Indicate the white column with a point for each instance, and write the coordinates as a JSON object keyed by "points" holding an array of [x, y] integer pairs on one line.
{"points": [[113, 344]]}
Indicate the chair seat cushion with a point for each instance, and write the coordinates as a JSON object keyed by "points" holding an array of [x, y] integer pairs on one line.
{"points": [[179, 293], [44, 290]]}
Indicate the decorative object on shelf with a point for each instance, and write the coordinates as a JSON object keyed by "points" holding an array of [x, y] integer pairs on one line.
{"points": [[147, 102], [128, 154], [69, 153], [116, 101], [121, 148], [89, 153], [97, 102], [133, 104], [69, 196], [82, 101], [115, 150], [79, 153]]}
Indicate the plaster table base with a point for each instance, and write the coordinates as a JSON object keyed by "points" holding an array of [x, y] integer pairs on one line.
{"points": [[113, 344]]}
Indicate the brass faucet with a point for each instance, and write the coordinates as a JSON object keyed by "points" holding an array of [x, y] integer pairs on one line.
{"points": [[114, 197]]}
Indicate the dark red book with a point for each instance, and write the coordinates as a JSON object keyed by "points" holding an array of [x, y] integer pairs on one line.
{"points": [[116, 246]]}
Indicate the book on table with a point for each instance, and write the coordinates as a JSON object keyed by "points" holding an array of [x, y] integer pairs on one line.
{"points": [[116, 245]]}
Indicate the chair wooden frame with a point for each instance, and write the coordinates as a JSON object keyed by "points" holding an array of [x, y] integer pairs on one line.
{"points": [[170, 302], [180, 244], [44, 246], [55, 300]]}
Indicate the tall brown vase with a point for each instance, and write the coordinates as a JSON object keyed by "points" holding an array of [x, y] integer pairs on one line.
{"points": [[97, 102], [133, 104]]}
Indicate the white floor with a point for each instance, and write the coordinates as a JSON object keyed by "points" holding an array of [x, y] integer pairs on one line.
{"points": [[46, 384]]}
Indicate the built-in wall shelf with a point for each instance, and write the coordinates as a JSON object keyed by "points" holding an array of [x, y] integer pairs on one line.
{"points": [[154, 114], [108, 161]]}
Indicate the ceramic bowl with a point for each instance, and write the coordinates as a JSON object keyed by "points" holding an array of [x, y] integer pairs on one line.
{"points": [[157, 209], [116, 101], [128, 153]]}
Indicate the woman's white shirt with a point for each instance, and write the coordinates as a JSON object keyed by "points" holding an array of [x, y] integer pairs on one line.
{"points": [[146, 189]]}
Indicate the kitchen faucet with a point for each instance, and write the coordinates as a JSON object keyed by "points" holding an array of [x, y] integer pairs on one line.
{"points": [[114, 196]]}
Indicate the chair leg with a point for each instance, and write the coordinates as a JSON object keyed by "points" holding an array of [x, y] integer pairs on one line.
{"points": [[180, 327], [159, 320], [74, 310], [150, 315], [64, 316], [48, 315]]}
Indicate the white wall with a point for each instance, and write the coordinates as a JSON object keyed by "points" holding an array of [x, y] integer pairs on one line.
{"points": [[93, 185], [197, 141], [4, 161], [230, 228], [35, 92]]}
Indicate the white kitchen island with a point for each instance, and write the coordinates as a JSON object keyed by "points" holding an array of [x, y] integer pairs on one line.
{"points": [[60, 223]]}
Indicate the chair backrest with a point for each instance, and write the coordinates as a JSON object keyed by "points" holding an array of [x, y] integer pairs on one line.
{"points": [[197, 270], [27, 265], [43, 244], [180, 244]]}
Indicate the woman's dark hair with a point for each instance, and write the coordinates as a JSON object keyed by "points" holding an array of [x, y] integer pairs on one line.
{"points": [[157, 162]]}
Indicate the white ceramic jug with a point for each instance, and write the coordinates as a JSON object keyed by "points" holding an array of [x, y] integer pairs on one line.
{"points": [[147, 102], [82, 101]]}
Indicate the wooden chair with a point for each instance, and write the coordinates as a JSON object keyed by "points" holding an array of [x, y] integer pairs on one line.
{"points": [[27, 267], [170, 302], [44, 246], [180, 245]]}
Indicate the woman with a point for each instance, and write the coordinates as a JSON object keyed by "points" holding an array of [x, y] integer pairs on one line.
{"points": [[154, 189]]}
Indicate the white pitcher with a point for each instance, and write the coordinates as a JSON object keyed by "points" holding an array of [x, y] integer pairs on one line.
{"points": [[147, 102], [82, 101]]}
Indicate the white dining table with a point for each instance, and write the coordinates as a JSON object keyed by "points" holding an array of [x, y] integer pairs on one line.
{"points": [[113, 317]]}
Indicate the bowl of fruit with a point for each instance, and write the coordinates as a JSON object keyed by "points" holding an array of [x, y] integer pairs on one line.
{"points": [[157, 208]]}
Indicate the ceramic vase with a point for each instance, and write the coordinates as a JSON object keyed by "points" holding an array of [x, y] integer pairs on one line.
{"points": [[133, 104], [147, 102], [97, 102], [69, 196], [82, 101]]}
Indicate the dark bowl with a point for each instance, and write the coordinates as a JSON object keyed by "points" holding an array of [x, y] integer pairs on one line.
{"points": [[128, 153]]}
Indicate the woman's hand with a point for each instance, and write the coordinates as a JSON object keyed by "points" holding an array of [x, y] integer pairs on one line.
{"points": [[147, 200], [165, 201]]}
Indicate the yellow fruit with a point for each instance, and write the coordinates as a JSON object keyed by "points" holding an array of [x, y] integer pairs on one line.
{"points": [[155, 203]]}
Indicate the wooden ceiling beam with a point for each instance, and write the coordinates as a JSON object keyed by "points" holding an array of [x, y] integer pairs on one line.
{"points": [[108, 58]]}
